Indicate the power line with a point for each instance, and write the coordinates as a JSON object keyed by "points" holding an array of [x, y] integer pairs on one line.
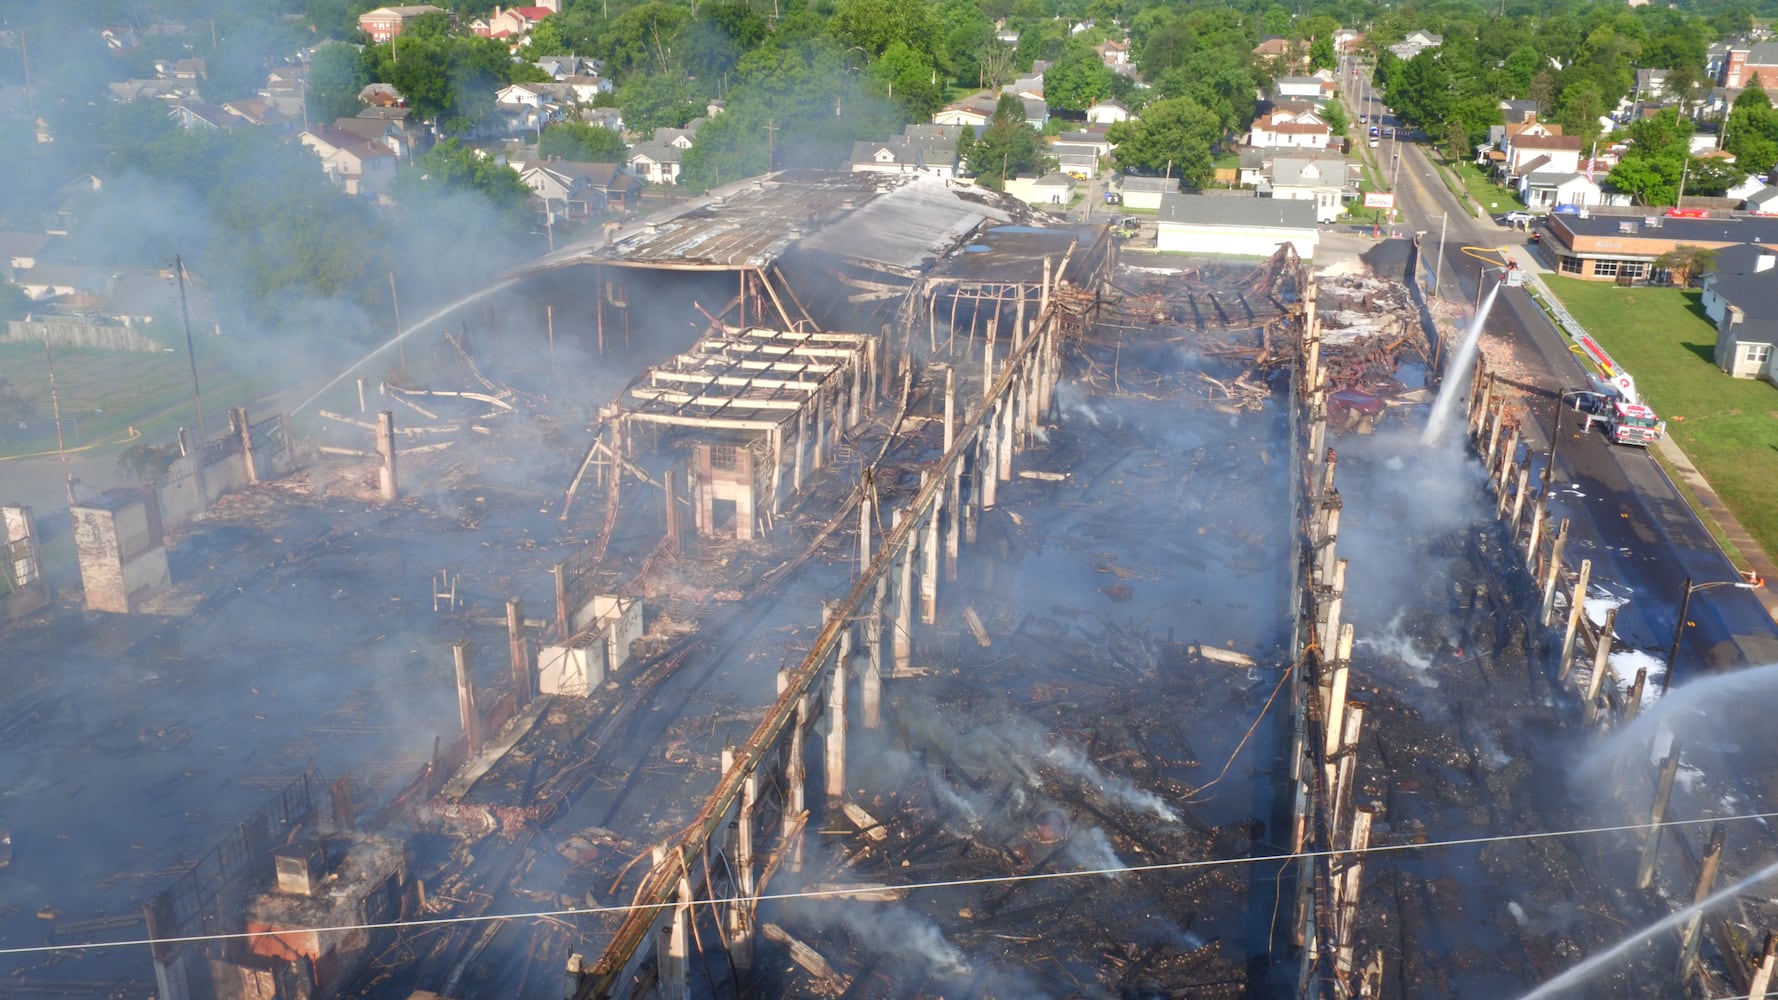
{"points": [[1164, 866]]}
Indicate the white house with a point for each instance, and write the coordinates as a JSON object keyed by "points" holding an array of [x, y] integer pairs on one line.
{"points": [[1290, 127], [1741, 296], [1146, 192], [1107, 113], [1416, 43], [1050, 189], [1303, 88], [1249, 227], [1321, 181], [657, 161]]}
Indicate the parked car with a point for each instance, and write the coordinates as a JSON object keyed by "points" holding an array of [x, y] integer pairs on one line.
{"points": [[1519, 218]]}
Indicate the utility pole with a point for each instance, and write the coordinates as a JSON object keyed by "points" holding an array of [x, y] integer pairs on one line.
{"points": [[197, 394], [1438, 263], [771, 130], [55, 405]]}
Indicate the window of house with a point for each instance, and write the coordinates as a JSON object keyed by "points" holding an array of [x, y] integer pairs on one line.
{"points": [[1757, 353], [1605, 268], [1570, 265], [1637, 269], [722, 456]]}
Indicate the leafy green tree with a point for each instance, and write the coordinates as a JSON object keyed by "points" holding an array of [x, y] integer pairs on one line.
{"points": [[642, 39], [1456, 145], [1176, 134], [1579, 110], [1321, 53], [1659, 153], [1751, 131], [336, 75], [573, 29], [874, 25], [451, 168], [910, 80], [1334, 114], [14, 304], [581, 142], [712, 44], [1687, 261], [655, 101], [1423, 93], [1006, 148], [1078, 80]]}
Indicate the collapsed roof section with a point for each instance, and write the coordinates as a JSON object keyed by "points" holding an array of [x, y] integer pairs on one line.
{"points": [[896, 221]]}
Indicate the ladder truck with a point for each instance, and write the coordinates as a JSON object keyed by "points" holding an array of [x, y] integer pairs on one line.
{"points": [[1611, 399]]}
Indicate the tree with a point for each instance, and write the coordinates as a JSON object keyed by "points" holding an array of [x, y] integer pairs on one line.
{"points": [[651, 101], [1579, 110], [452, 168], [14, 303], [642, 38], [336, 75], [1078, 80], [1456, 147], [1659, 151], [874, 25], [1686, 261], [1334, 114], [1321, 52], [1007, 147], [581, 142], [1174, 134], [1751, 131], [909, 79]]}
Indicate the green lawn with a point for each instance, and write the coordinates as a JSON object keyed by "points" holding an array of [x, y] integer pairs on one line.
{"points": [[1728, 427], [1493, 198]]}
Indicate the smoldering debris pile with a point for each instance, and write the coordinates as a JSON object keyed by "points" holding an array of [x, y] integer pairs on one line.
{"points": [[1370, 329]]}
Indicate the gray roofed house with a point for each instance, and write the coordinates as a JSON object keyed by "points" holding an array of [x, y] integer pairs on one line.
{"points": [[1079, 159], [21, 250], [1094, 137], [1252, 227], [1741, 295], [1146, 192], [908, 154], [1325, 182], [1763, 201]]}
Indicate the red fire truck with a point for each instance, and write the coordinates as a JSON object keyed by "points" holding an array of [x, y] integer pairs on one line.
{"points": [[1611, 399]]}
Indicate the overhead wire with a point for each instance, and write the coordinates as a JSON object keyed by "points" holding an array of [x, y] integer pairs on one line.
{"points": [[843, 891]]}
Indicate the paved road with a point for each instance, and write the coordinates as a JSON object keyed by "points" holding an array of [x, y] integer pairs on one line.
{"points": [[1644, 540]]}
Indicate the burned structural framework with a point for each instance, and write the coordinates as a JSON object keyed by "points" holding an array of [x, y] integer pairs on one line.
{"points": [[987, 577]]}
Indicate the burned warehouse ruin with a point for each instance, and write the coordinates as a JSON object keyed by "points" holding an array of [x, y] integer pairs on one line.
{"points": [[844, 585]]}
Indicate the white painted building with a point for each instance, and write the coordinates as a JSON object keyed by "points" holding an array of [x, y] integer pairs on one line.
{"points": [[1248, 227]]}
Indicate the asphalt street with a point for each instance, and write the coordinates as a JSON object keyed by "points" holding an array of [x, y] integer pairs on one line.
{"points": [[1625, 515]]}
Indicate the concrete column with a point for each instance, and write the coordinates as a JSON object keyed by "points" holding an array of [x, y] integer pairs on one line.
{"points": [[1003, 413], [904, 603], [870, 687], [238, 417], [972, 504], [468, 716], [836, 718], [1694, 927], [740, 912], [988, 469], [673, 956], [522, 684], [1052, 372], [950, 407], [988, 357], [820, 443], [669, 486], [386, 484], [1577, 601], [855, 399], [1554, 573], [1651, 845]]}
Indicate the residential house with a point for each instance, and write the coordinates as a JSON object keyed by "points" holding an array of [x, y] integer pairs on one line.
{"points": [[48, 281], [976, 109], [587, 87], [1741, 296], [1303, 88], [512, 22], [1651, 82], [385, 23], [1146, 192], [1078, 161], [573, 191], [1055, 189], [1347, 40], [361, 167], [260, 112], [22, 251], [535, 95], [1416, 43], [657, 161], [1107, 112], [195, 116], [562, 67], [1529, 152], [1289, 127], [187, 70], [1762, 202], [120, 38], [1004, 33], [1743, 62], [1092, 137], [1114, 52], [1254, 167], [610, 118], [1276, 48], [381, 95], [926, 149], [389, 132], [1547, 189], [1249, 227], [135, 90], [1327, 182]]}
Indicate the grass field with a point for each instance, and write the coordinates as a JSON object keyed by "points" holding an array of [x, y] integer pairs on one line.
{"points": [[102, 394], [1728, 427], [1493, 198]]}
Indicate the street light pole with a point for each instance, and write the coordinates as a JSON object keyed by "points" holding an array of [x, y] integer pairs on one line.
{"points": [[1438, 263], [1685, 605]]}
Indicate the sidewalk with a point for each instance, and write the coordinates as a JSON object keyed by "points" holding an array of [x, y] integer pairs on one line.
{"points": [[1709, 506]]}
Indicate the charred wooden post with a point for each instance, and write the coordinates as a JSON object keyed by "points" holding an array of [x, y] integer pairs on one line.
{"points": [[1519, 496], [1495, 414], [466, 711], [777, 443], [1633, 700], [866, 494], [1540, 513], [673, 958], [988, 467], [1577, 605], [1004, 413], [1760, 986], [929, 559], [1351, 880], [904, 605], [802, 441], [870, 686], [1651, 844], [836, 714], [1693, 932], [523, 685], [741, 909], [670, 487], [1601, 664], [954, 515], [1553, 574], [237, 419], [386, 486]]}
